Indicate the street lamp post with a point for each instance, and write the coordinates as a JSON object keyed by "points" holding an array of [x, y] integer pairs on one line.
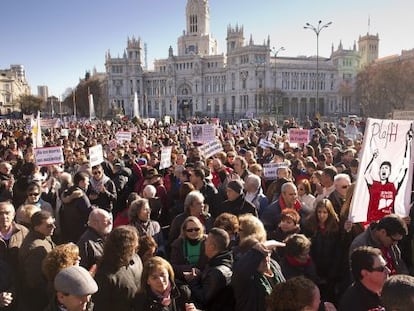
{"points": [[275, 52], [317, 31]]}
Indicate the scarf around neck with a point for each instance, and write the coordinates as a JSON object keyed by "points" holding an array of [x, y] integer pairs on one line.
{"points": [[96, 184]]}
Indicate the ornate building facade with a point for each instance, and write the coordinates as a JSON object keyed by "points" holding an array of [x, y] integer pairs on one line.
{"points": [[249, 80], [13, 84]]}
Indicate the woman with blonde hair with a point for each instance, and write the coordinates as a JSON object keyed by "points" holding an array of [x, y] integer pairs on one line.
{"points": [[187, 252], [158, 289]]}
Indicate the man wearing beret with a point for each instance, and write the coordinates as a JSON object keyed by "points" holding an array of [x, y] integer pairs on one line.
{"points": [[74, 287]]}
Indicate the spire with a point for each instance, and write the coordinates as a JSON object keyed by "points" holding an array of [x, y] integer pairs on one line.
{"points": [[251, 40]]}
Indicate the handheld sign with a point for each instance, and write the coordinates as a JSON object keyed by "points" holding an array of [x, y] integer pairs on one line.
{"points": [[211, 148], [299, 136], [122, 136], [95, 155], [49, 156], [270, 169], [165, 157]]}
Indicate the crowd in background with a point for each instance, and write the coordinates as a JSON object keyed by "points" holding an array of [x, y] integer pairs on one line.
{"points": [[202, 234]]}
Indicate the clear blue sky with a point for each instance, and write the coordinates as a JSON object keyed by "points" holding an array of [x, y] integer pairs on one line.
{"points": [[57, 40]]}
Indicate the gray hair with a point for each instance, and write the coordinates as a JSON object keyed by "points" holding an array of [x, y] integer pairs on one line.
{"points": [[342, 176], [135, 208], [254, 180], [189, 199]]}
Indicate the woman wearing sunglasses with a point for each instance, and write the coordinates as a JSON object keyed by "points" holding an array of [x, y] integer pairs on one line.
{"points": [[33, 194], [101, 191], [187, 252]]}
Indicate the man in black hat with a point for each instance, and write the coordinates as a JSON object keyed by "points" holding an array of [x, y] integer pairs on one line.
{"points": [[236, 203]]}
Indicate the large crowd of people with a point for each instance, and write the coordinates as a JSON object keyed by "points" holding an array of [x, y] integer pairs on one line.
{"points": [[207, 234]]}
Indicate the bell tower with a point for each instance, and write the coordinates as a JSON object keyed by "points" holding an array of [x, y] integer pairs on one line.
{"points": [[368, 48], [196, 39]]}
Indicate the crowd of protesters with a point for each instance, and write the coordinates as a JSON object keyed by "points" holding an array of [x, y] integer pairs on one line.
{"points": [[203, 234]]}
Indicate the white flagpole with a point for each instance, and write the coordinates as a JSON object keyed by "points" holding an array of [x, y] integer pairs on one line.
{"points": [[136, 108], [91, 108]]}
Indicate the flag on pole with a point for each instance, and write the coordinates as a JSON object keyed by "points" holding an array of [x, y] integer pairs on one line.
{"points": [[36, 132], [136, 108], [91, 108]]}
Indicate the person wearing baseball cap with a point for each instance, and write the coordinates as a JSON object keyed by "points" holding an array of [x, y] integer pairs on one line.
{"points": [[74, 287]]}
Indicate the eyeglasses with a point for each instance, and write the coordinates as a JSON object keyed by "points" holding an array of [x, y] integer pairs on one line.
{"points": [[394, 239], [378, 269], [34, 194], [96, 172], [50, 226], [344, 186], [192, 229]]}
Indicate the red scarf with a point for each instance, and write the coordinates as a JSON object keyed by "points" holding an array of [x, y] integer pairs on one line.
{"points": [[390, 263], [296, 263], [282, 204], [165, 297]]}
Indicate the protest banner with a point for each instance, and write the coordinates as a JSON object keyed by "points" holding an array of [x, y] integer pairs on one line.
{"points": [[266, 144], [122, 136], [270, 169], [48, 156], [96, 155], [211, 148], [165, 160], [385, 171], [299, 136]]}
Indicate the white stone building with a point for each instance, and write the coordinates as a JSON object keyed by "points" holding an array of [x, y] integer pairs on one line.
{"points": [[13, 84], [249, 80]]}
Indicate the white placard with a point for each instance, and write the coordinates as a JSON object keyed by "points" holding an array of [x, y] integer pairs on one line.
{"points": [[269, 135], [203, 133], [270, 169], [165, 160], [385, 172], [64, 132], [266, 144], [96, 155], [49, 156], [122, 136], [211, 148]]}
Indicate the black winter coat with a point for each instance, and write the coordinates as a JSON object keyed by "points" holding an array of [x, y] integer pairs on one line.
{"points": [[213, 292]]}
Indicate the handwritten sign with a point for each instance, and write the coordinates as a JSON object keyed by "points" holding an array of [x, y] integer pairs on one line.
{"points": [[49, 156], [300, 136]]}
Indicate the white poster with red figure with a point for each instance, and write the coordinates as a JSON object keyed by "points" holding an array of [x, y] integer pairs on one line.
{"points": [[385, 172]]}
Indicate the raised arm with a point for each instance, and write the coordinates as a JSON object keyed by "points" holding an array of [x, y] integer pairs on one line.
{"points": [[367, 174]]}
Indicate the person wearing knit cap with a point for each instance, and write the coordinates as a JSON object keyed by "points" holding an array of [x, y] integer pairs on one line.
{"points": [[236, 203], [74, 287]]}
